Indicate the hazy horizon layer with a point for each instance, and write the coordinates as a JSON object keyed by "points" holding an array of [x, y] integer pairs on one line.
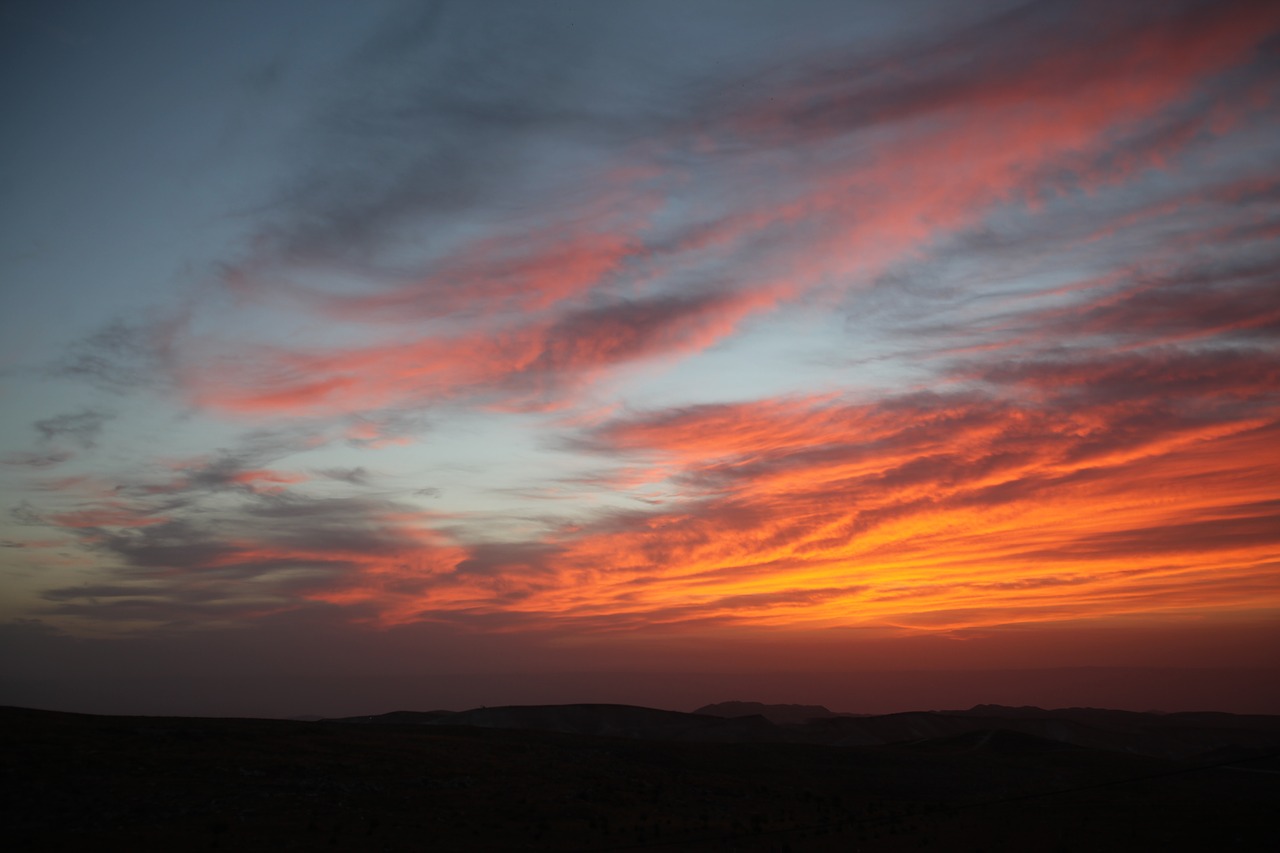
{"points": [[1239, 691]]}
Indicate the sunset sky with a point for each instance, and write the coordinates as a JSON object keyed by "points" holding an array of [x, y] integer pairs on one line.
{"points": [[367, 355]]}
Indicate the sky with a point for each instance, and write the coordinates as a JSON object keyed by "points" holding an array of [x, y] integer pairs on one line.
{"points": [[885, 355]]}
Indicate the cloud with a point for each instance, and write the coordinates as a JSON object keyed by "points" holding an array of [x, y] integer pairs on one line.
{"points": [[1079, 342], [46, 459], [527, 366], [692, 192], [286, 550], [229, 471], [902, 490], [454, 116], [108, 514], [245, 466], [1035, 480], [1079, 71], [497, 276], [1190, 378], [124, 355], [357, 476], [82, 428]]}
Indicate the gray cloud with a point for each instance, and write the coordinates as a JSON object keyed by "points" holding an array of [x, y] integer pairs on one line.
{"points": [[185, 568], [45, 459], [357, 476], [123, 356], [440, 112], [82, 428]]}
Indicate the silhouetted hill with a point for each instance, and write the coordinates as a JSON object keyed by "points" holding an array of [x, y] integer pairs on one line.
{"points": [[603, 720], [395, 718], [1133, 720], [993, 741], [1178, 736], [782, 714], [82, 782], [617, 721]]}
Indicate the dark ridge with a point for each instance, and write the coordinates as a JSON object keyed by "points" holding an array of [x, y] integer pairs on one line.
{"points": [[395, 718], [627, 721], [1174, 736], [88, 782], [992, 741], [780, 714]]}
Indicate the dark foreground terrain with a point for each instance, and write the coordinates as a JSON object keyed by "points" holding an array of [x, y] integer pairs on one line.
{"points": [[620, 778]]}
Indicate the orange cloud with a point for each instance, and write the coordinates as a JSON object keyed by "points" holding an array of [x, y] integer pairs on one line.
{"points": [[275, 480], [1125, 463], [934, 148], [523, 366], [496, 276], [921, 513], [108, 514], [525, 320], [987, 511], [924, 513]]}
